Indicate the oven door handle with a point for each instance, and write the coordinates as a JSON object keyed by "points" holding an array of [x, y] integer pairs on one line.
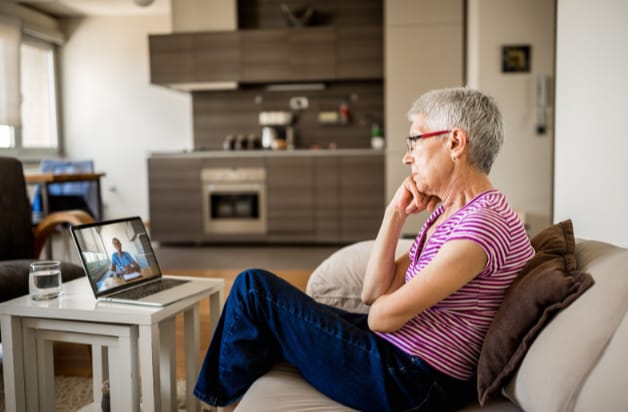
{"points": [[232, 188]]}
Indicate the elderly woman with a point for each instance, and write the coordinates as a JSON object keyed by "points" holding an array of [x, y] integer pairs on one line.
{"points": [[418, 347]]}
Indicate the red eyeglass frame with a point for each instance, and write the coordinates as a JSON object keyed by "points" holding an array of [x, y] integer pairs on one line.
{"points": [[411, 140]]}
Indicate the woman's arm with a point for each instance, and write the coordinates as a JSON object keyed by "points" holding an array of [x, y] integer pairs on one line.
{"points": [[383, 273], [455, 264]]}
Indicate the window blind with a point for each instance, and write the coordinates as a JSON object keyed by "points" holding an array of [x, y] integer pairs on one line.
{"points": [[10, 37]]}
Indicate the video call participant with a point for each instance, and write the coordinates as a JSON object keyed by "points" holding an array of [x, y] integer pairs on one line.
{"points": [[122, 262]]}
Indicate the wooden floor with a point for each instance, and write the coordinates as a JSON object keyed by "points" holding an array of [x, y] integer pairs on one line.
{"points": [[74, 360]]}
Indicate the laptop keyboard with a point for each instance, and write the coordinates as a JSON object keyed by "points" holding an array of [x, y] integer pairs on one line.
{"points": [[150, 289]]}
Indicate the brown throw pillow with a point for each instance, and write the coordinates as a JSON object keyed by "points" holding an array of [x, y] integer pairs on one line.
{"points": [[547, 284]]}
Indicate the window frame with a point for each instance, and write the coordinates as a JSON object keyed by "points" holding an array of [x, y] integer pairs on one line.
{"points": [[37, 153]]}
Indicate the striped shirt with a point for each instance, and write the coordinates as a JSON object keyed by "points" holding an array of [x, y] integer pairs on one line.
{"points": [[449, 335]]}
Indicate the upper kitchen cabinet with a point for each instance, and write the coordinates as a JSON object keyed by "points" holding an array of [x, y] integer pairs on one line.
{"points": [[359, 52], [288, 55], [202, 57], [200, 60], [270, 43]]}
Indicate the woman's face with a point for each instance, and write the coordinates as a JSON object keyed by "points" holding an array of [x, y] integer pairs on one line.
{"points": [[428, 159]]}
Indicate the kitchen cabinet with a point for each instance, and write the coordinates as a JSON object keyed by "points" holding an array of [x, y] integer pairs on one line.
{"points": [[287, 55], [326, 194], [359, 52], [362, 199], [311, 197], [175, 203], [194, 57], [267, 55], [289, 198]]}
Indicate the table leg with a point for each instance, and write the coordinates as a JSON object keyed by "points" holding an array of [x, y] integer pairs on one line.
{"points": [[123, 382], [100, 370], [45, 210], [192, 356], [215, 308], [30, 369], [149, 367], [45, 202], [168, 363], [13, 367], [45, 375], [99, 216], [216, 300]]}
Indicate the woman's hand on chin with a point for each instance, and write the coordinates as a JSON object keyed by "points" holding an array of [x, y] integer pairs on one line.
{"points": [[410, 200]]}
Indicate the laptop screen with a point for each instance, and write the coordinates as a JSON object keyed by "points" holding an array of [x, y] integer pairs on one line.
{"points": [[115, 253]]}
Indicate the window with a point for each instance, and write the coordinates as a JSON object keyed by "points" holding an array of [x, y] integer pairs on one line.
{"points": [[39, 132]]}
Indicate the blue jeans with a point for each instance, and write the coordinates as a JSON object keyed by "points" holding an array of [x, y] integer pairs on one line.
{"points": [[266, 320]]}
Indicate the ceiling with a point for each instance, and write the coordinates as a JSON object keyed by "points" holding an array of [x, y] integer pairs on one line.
{"points": [[75, 8]]}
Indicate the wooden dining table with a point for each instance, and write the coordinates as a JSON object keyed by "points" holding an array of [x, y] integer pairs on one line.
{"points": [[46, 179]]}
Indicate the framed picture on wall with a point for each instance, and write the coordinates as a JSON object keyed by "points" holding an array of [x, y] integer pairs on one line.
{"points": [[516, 59]]}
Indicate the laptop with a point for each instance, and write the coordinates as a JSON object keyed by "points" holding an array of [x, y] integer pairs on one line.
{"points": [[121, 266]]}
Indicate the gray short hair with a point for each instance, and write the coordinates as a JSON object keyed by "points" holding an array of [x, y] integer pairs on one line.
{"points": [[470, 110]]}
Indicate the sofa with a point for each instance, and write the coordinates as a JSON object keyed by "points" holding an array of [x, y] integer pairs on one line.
{"points": [[575, 361]]}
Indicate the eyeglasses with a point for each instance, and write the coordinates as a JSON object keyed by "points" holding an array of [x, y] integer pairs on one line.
{"points": [[411, 140]]}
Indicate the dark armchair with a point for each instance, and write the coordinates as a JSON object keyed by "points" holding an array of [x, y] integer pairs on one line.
{"points": [[21, 242]]}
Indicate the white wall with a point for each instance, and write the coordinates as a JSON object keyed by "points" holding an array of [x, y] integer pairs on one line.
{"points": [[200, 15], [111, 112], [423, 51], [591, 166], [523, 168]]}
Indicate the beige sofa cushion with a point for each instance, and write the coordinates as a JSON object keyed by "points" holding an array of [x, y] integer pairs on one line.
{"points": [[284, 390], [605, 387], [569, 348], [337, 281]]}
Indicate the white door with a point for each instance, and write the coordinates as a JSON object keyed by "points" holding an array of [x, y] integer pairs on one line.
{"points": [[523, 170]]}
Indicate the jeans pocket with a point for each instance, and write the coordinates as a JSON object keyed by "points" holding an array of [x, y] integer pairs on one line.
{"points": [[412, 383]]}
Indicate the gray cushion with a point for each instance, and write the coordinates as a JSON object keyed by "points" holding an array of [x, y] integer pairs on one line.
{"points": [[14, 276]]}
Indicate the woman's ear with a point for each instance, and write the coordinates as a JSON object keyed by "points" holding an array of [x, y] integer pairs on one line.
{"points": [[457, 143]]}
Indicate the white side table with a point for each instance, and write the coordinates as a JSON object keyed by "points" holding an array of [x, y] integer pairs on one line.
{"points": [[25, 321], [118, 342]]}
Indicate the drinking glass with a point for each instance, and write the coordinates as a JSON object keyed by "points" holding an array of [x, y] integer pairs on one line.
{"points": [[44, 280]]}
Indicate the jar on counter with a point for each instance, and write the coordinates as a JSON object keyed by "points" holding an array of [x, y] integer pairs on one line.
{"points": [[255, 143], [241, 143], [229, 142]]}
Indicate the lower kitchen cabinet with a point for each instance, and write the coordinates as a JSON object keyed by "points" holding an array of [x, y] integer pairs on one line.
{"points": [[316, 198], [290, 205], [326, 194], [175, 203], [362, 199]]}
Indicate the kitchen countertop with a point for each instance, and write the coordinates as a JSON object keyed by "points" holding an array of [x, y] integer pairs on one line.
{"points": [[268, 153]]}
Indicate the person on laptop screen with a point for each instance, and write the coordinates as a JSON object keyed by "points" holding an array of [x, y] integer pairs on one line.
{"points": [[123, 263]]}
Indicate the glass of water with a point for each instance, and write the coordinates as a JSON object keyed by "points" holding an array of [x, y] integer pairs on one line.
{"points": [[44, 280]]}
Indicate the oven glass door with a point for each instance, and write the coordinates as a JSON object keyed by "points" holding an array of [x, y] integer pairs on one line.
{"points": [[241, 205], [235, 208]]}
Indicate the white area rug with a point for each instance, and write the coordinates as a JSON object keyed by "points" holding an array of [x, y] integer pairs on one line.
{"points": [[72, 393]]}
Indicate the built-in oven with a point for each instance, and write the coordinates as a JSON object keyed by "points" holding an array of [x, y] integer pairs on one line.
{"points": [[234, 200]]}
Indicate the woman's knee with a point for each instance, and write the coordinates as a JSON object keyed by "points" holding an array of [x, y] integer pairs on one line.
{"points": [[252, 279]]}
